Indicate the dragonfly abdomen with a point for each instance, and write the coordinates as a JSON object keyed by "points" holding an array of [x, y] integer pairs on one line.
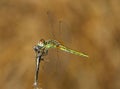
{"points": [[61, 47]]}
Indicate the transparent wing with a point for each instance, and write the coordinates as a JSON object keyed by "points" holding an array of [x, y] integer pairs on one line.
{"points": [[63, 48], [51, 21]]}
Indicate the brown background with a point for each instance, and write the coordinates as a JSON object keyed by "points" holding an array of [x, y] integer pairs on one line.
{"points": [[89, 26]]}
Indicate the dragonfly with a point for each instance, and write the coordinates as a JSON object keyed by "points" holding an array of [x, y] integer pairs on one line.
{"points": [[42, 48]]}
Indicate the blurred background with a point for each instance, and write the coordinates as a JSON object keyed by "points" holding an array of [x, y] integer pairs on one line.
{"points": [[89, 26]]}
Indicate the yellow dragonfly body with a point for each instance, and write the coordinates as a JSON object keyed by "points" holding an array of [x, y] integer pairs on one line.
{"points": [[45, 45]]}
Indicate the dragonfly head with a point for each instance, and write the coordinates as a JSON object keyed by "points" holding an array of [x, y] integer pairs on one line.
{"points": [[41, 43], [39, 46]]}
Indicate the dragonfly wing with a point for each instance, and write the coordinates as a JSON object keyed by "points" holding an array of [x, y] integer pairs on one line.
{"points": [[63, 48]]}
